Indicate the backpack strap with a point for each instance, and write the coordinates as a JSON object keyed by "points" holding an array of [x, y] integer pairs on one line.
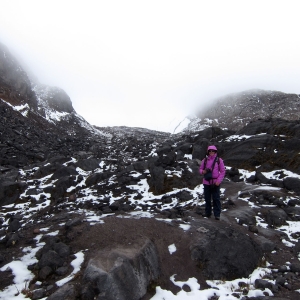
{"points": [[216, 160], [205, 162], [213, 165]]}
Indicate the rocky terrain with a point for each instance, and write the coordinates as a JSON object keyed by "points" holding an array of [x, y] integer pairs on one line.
{"points": [[115, 212], [234, 111]]}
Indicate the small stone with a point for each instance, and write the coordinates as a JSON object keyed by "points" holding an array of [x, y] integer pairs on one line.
{"points": [[253, 228]]}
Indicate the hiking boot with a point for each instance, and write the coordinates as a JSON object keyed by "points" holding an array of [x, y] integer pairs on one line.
{"points": [[206, 216], [217, 218]]}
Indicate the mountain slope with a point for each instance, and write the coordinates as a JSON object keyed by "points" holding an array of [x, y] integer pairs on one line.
{"points": [[234, 111], [15, 85], [114, 212], [45, 105]]}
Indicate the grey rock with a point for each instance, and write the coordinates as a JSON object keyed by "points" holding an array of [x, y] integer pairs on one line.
{"points": [[292, 183], [276, 217], [14, 225], [73, 222], [45, 272], [64, 171], [67, 292], [266, 244], [10, 191], [239, 256], [123, 274], [88, 164], [51, 259], [61, 271], [264, 284], [38, 294], [62, 249], [295, 267]]}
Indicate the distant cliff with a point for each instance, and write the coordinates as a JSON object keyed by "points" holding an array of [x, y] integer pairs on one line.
{"points": [[15, 86], [235, 111]]}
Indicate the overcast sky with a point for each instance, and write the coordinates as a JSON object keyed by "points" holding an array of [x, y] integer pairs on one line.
{"points": [[151, 63]]}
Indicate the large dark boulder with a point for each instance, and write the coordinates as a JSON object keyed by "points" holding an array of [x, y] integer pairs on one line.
{"points": [[67, 292], [96, 177], [11, 191], [266, 244], [256, 127], [184, 196], [252, 152], [191, 177], [122, 273], [276, 217], [61, 186], [167, 159], [292, 183], [186, 148], [49, 168], [209, 133], [64, 171], [245, 216], [51, 259], [293, 212], [261, 178], [199, 151], [140, 166], [14, 225], [276, 183], [163, 150], [89, 164], [156, 181], [62, 249], [123, 179], [292, 145], [226, 254]]}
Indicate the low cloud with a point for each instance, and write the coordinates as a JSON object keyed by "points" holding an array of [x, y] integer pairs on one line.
{"points": [[144, 64]]}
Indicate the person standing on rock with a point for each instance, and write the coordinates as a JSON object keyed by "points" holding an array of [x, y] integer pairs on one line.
{"points": [[213, 169]]}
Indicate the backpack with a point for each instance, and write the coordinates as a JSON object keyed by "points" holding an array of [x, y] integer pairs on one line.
{"points": [[208, 176]]}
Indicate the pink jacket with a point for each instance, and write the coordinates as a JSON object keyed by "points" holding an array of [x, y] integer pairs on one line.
{"points": [[218, 171]]}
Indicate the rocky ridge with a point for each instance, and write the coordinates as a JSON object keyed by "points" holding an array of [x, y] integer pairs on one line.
{"points": [[115, 198], [234, 111]]}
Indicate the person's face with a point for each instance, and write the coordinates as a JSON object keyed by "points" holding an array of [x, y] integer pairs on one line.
{"points": [[211, 152]]}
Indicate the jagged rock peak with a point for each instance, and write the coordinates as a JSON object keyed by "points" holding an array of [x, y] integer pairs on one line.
{"points": [[53, 97], [236, 110], [15, 85], [45, 105], [17, 88]]}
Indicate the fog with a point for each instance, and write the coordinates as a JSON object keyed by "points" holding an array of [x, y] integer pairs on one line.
{"points": [[151, 63]]}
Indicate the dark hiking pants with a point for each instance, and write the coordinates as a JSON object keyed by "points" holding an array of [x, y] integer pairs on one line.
{"points": [[212, 192]]}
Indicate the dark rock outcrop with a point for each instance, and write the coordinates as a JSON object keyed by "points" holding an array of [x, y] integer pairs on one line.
{"points": [[226, 253], [15, 86], [122, 273]]}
